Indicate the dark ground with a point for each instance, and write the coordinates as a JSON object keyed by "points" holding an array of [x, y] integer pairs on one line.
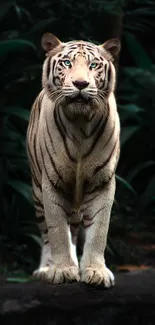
{"points": [[131, 301]]}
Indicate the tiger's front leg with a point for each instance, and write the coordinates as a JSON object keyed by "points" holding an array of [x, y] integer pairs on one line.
{"points": [[64, 263], [96, 223]]}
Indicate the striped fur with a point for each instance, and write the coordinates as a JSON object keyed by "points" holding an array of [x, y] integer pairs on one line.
{"points": [[73, 148]]}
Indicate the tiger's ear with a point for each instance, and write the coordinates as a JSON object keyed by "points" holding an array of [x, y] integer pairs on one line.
{"points": [[49, 42], [113, 46]]}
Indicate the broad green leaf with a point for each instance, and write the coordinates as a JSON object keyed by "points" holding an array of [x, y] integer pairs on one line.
{"points": [[40, 26], [138, 169], [17, 111], [18, 279], [22, 188], [37, 239], [5, 6], [139, 55], [126, 185], [12, 148], [146, 197], [127, 132], [12, 136], [10, 46], [129, 111]]}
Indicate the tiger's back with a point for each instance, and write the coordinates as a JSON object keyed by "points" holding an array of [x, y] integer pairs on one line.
{"points": [[73, 148]]}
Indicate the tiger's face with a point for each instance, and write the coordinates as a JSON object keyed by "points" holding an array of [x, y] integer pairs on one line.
{"points": [[78, 73]]}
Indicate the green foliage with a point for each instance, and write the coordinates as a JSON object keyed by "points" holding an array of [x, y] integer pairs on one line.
{"points": [[22, 25]]}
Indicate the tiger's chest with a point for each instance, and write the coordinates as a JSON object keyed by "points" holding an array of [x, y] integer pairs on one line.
{"points": [[74, 165]]}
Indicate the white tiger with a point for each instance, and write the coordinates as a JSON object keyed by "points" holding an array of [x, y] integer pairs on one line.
{"points": [[73, 142]]}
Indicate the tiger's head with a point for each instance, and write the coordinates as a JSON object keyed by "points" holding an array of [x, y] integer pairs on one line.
{"points": [[79, 74]]}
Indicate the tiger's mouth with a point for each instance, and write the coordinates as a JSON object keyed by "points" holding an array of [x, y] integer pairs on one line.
{"points": [[78, 99]]}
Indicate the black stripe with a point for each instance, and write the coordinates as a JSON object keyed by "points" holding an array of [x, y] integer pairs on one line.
{"points": [[108, 140], [54, 78], [96, 59], [63, 136], [45, 232], [88, 201], [37, 200], [98, 168], [98, 135], [46, 242], [48, 67], [40, 219], [69, 118], [89, 60], [90, 48], [44, 164], [35, 153], [89, 119], [38, 203], [65, 56], [32, 121], [49, 134], [52, 161], [53, 67], [69, 52], [34, 177], [108, 76], [64, 128], [32, 135], [97, 212], [99, 66], [72, 47], [91, 52], [106, 68], [59, 205], [100, 186], [94, 129], [66, 196]]}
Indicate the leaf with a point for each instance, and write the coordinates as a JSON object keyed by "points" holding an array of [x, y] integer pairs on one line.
{"points": [[12, 148], [136, 50], [37, 239], [138, 169], [17, 111], [147, 196], [18, 280], [127, 185], [40, 26], [10, 46], [5, 6], [22, 188], [127, 132], [129, 110]]}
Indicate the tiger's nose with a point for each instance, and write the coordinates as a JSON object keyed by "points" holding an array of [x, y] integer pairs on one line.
{"points": [[80, 84]]}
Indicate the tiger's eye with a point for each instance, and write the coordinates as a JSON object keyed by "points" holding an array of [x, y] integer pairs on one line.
{"points": [[67, 63], [93, 65]]}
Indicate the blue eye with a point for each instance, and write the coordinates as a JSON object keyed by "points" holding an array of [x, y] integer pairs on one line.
{"points": [[93, 65], [67, 63]]}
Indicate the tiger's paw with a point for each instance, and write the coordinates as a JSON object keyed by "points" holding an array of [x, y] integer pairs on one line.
{"points": [[58, 275], [96, 275]]}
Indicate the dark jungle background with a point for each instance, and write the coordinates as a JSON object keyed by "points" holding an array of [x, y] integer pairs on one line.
{"points": [[131, 240]]}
